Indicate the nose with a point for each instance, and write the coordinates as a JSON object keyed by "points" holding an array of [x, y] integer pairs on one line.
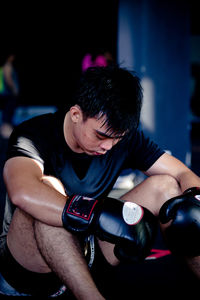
{"points": [[107, 144]]}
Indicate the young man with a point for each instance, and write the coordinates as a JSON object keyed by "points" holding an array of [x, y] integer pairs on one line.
{"points": [[82, 151]]}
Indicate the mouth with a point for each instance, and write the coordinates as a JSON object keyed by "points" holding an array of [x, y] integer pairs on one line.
{"points": [[98, 153], [95, 153]]}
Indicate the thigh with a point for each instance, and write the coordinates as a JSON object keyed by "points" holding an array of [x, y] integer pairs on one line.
{"points": [[22, 243], [21, 239], [17, 281]]}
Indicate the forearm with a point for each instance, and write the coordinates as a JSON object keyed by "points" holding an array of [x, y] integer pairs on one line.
{"points": [[43, 203], [42, 197]]}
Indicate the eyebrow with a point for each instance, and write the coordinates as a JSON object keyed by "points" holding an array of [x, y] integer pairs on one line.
{"points": [[109, 136]]}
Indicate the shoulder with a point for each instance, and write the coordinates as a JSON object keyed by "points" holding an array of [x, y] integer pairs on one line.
{"points": [[38, 130]]}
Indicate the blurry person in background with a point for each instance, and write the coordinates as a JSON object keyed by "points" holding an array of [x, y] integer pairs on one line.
{"points": [[96, 58], [9, 92]]}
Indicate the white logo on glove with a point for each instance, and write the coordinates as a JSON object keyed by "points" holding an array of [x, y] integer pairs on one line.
{"points": [[197, 197], [132, 213]]}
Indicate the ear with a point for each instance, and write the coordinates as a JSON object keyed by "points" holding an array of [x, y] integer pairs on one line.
{"points": [[76, 113]]}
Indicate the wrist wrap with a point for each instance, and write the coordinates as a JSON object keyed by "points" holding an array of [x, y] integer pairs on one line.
{"points": [[78, 213]]}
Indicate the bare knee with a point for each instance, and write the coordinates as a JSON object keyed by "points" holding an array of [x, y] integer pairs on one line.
{"points": [[153, 192], [166, 185], [163, 188]]}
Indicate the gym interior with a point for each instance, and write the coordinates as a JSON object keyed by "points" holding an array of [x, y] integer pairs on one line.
{"points": [[160, 41]]}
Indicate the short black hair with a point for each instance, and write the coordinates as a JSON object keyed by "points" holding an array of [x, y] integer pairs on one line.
{"points": [[113, 92]]}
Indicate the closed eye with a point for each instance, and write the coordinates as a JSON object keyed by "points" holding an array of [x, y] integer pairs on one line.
{"points": [[101, 136]]}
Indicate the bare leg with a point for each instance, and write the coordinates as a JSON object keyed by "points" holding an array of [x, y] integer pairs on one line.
{"points": [[42, 248], [151, 193], [194, 265], [62, 253]]}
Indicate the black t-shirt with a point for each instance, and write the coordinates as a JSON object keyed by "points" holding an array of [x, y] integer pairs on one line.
{"points": [[42, 138]]}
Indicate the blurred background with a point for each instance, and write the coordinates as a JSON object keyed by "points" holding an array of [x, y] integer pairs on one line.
{"points": [[160, 40]]}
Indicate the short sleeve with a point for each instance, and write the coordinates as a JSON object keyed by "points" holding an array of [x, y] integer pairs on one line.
{"points": [[143, 152], [30, 139], [20, 145]]}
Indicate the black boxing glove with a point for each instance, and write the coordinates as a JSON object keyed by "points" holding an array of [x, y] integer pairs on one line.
{"points": [[129, 226], [183, 233]]}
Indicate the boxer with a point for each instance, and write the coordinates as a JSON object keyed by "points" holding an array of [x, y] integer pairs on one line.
{"points": [[56, 161]]}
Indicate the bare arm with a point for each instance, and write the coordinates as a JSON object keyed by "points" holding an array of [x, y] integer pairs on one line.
{"points": [[169, 165], [43, 197], [31, 191]]}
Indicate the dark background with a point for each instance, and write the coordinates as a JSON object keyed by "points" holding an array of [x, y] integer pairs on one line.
{"points": [[50, 41]]}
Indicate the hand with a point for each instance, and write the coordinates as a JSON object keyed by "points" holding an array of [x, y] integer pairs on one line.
{"points": [[183, 233], [129, 226]]}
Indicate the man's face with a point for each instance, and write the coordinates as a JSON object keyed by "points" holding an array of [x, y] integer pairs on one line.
{"points": [[92, 136]]}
